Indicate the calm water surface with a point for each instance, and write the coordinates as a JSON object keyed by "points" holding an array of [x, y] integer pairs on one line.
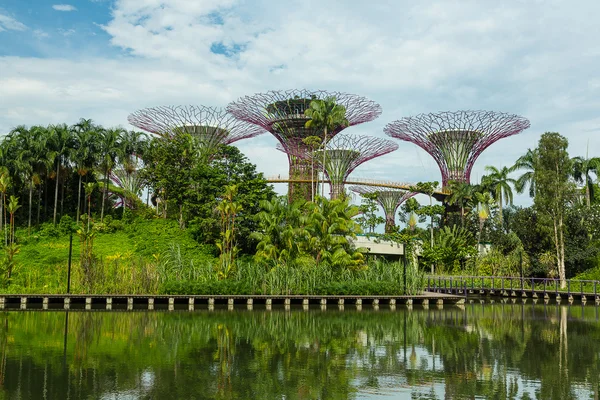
{"points": [[501, 351]]}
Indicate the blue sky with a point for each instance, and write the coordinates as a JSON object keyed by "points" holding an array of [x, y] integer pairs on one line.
{"points": [[106, 59], [54, 33]]}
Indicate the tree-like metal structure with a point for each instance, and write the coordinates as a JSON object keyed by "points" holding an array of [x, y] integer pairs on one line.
{"points": [[209, 126], [456, 139], [283, 114], [388, 199], [343, 154]]}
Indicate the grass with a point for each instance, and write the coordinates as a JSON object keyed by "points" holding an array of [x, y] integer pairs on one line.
{"points": [[156, 256], [123, 253]]}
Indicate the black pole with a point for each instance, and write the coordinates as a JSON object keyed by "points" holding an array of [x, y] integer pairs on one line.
{"points": [[69, 265], [404, 275]]}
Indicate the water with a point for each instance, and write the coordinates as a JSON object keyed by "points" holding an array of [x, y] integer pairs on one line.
{"points": [[501, 351]]}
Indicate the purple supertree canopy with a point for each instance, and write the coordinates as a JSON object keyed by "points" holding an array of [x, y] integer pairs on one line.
{"points": [[388, 199], [209, 126], [282, 112], [456, 139], [344, 153]]}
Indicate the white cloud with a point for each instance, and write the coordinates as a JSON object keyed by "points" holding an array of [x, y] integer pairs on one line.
{"points": [[518, 57], [40, 34], [9, 23], [66, 32], [64, 7]]}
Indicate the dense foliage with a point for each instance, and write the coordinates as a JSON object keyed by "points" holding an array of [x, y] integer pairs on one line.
{"points": [[227, 231]]}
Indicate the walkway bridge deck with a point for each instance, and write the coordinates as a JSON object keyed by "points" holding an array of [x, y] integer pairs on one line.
{"points": [[359, 181], [149, 302], [507, 286]]}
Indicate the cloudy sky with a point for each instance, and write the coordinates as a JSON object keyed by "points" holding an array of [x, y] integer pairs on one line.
{"points": [[103, 59]]}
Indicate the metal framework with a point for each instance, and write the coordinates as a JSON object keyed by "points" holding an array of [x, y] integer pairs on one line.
{"points": [[388, 199], [283, 114], [209, 126], [456, 139], [344, 153]]}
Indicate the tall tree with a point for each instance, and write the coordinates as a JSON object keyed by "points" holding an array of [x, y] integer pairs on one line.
{"points": [[527, 162], [85, 152], [582, 167], [429, 189], [460, 193], [483, 201], [499, 183], [327, 116], [368, 219], [553, 189], [109, 149], [60, 141]]}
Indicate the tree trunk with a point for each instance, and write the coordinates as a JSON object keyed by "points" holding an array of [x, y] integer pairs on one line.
{"points": [[431, 219], [39, 206], [78, 197], [30, 207], [62, 199], [561, 274], [562, 252], [500, 216], [2, 219], [587, 192], [104, 195], [324, 157], [56, 189]]}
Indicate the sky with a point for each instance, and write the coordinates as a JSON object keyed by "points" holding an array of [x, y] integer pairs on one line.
{"points": [[103, 59]]}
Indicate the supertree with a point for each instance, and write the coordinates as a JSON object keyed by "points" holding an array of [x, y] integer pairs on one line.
{"points": [[388, 199], [209, 126], [342, 155], [283, 114], [456, 139]]}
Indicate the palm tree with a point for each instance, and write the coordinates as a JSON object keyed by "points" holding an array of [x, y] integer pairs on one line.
{"points": [[60, 143], [460, 192], [281, 230], [85, 152], [313, 142], [581, 174], [4, 185], [109, 150], [528, 162], [483, 202], [499, 182], [328, 116], [408, 213]]}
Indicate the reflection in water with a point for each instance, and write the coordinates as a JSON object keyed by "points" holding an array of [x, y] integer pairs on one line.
{"points": [[498, 351]]}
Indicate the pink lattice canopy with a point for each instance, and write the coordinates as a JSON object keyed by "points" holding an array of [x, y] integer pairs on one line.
{"points": [[456, 139]]}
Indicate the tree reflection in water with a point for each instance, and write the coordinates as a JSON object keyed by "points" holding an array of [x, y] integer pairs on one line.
{"points": [[500, 351]]}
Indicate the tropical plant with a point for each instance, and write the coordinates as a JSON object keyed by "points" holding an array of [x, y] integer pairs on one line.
{"points": [[85, 151], [409, 213], [110, 149], [60, 143], [582, 167], [327, 116], [329, 225], [527, 162], [281, 232], [499, 183], [228, 210], [460, 193], [553, 190]]}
